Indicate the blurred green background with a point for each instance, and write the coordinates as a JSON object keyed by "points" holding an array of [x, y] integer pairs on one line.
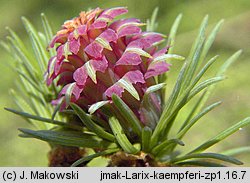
{"points": [[234, 92]]}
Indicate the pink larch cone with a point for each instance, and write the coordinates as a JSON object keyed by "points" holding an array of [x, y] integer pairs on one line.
{"points": [[98, 57]]}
